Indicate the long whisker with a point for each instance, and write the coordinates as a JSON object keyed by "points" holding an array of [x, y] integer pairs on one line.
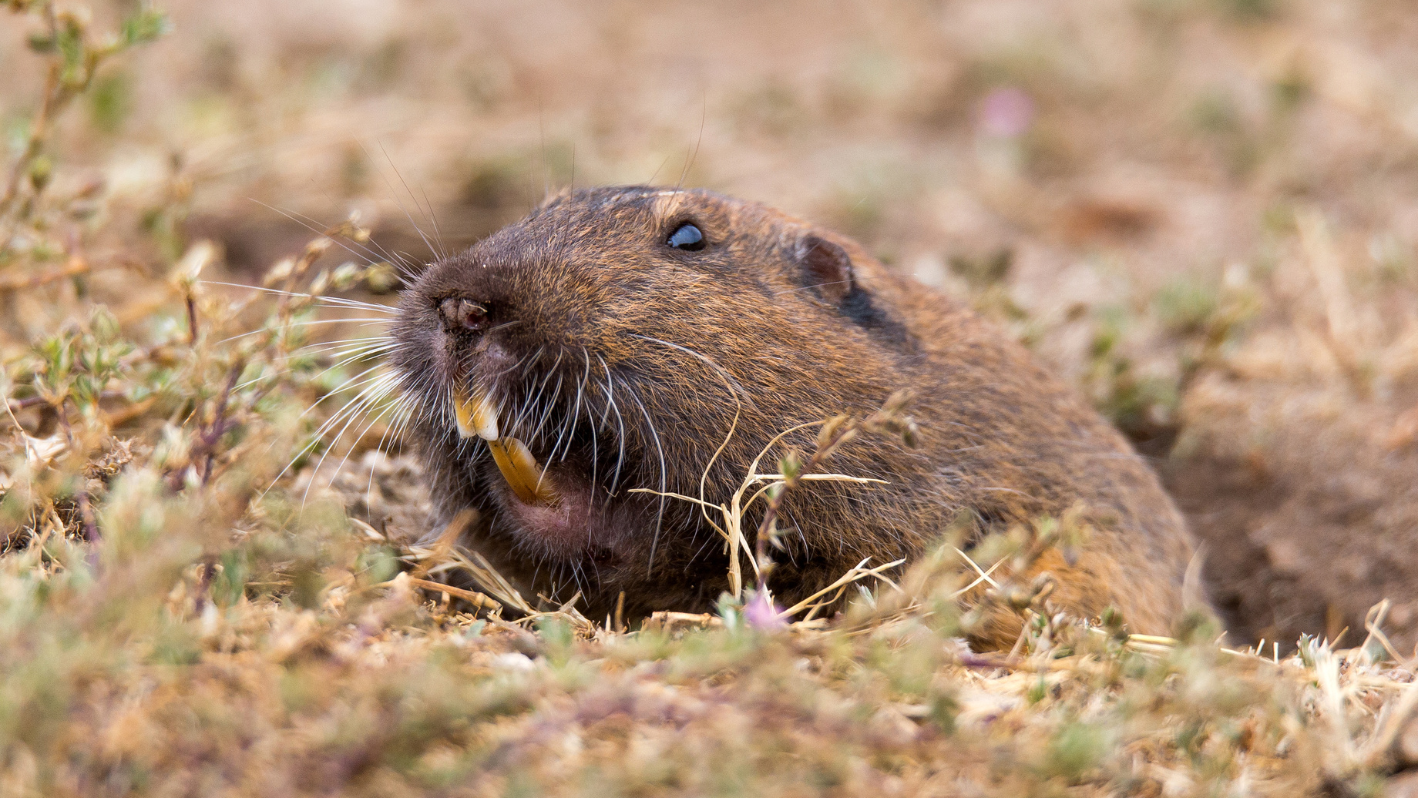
{"points": [[734, 389], [356, 381], [313, 323], [352, 383], [620, 421], [656, 173], [324, 300], [699, 356], [688, 164], [399, 261], [549, 406], [399, 202], [575, 416], [349, 356], [664, 477], [398, 418], [358, 354], [391, 409], [361, 397], [537, 401], [526, 409], [433, 219], [365, 253], [340, 466], [555, 399], [371, 343], [595, 450], [374, 393]]}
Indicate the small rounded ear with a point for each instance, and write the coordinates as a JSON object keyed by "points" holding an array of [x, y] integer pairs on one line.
{"points": [[826, 267]]}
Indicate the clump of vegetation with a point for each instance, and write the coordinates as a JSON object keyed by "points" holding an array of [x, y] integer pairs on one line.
{"points": [[1199, 319], [185, 608]]}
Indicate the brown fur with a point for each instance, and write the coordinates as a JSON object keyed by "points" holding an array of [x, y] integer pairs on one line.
{"points": [[579, 292]]}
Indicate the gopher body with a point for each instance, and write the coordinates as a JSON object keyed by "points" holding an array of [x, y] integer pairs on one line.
{"points": [[617, 335]]}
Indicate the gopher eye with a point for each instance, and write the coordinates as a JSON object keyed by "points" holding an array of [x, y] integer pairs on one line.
{"points": [[686, 237]]}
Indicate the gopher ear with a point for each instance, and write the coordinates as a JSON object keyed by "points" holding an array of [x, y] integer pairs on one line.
{"points": [[826, 267]]}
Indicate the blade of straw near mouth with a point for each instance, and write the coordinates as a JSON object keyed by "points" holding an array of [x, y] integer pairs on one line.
{"points": [[521, 471], [475, 414]]}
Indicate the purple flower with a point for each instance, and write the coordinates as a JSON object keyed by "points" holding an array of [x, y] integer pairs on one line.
{"points": [[1006, 113], [761, 613]]}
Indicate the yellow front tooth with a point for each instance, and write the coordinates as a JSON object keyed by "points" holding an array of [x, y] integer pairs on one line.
{"points": [[475, 415], [522, 471]]}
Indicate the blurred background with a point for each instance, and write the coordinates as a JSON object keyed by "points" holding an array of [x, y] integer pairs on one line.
{"points": [[1202, 213]]}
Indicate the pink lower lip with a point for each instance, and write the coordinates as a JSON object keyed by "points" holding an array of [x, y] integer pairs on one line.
{"points": [[561, 527], [569, 529]]}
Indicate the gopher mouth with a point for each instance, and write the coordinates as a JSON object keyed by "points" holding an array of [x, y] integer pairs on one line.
{"points": [[476, 416], [553, 506]]}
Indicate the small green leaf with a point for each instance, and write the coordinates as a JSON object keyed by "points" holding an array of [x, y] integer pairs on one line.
{"points": [[145, 26]]}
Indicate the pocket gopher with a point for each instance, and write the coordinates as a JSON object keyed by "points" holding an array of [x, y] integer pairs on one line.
{"points": [[573, 368]]}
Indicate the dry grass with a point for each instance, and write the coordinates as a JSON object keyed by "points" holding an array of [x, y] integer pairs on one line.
{"points": [[195, 599]]}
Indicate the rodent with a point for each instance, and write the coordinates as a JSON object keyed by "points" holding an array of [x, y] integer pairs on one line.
{"points": [[605, 337]]}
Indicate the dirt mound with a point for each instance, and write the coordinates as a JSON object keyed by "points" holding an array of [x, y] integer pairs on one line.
{"points": [[1307, 503]]}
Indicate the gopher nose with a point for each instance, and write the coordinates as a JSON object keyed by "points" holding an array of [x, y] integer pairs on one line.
{"points": [[462, 314]]}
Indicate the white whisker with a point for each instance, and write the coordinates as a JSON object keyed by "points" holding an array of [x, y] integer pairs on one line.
{"points": [[375, 392], [325, 300], [312, 323], [664, 476]]}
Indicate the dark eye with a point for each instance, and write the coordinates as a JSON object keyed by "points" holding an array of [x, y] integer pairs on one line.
{"points": [[688, 237]]}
